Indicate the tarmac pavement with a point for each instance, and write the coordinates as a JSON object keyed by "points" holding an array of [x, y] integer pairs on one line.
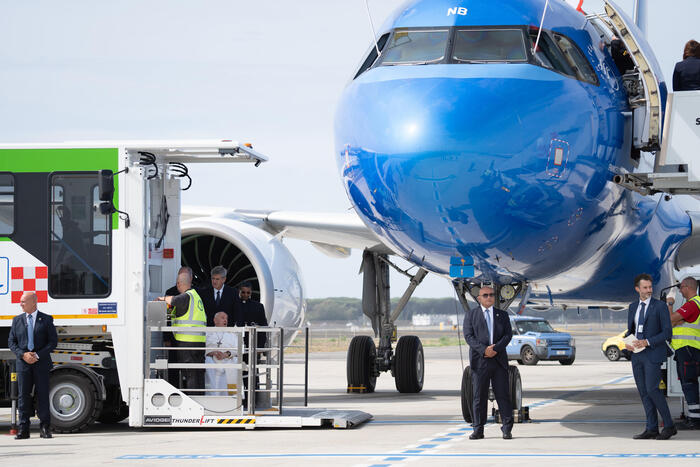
{"points": [[583, 413]]}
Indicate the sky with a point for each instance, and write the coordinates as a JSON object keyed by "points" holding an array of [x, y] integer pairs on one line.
{"points": [[269, 72]]}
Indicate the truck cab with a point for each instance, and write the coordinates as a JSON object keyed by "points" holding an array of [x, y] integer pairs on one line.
{"points": [[534, 339]]}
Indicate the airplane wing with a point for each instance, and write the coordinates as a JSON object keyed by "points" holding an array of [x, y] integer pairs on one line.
{"points": [[332, 233]]}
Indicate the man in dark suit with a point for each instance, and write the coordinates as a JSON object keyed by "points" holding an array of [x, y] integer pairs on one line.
{"points": [[649, 321], [219, 297], [33, 338], [250, 313], [487, 331]]}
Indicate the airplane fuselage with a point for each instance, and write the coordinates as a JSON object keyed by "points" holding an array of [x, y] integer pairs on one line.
{"points": [[508, 161]]}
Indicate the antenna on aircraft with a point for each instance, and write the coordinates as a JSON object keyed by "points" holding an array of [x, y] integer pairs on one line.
{"points": [[537, 41], [371, 25]]}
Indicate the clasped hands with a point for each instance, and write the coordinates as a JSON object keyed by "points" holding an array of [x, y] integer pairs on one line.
{"points": [[219, 355], [489, 352], [30, 357]]}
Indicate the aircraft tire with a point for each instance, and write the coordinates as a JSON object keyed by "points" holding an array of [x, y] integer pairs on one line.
{"points": [[73, 401], [362, 354], [409, 365], [528, 356], [467, 395], [515, 385]]}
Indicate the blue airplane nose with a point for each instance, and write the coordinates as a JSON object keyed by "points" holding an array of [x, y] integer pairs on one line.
{"points": [[467, 160]]}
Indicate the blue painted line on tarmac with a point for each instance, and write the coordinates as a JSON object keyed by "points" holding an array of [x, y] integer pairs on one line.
{"points": [[427, 446], [440, 440], [414, 422], [417, 455], [411, 451], [394, 459]]}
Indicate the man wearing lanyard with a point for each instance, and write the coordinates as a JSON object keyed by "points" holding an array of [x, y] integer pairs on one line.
{"points": [[649, 321]]}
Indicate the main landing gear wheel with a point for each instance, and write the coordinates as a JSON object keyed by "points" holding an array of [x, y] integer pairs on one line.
{"points": [[409, 367], [467, 395], [73, 401], [515, 385], [362, 354]]}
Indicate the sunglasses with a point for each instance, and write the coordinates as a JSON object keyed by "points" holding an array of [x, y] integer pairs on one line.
{"points": [[488, 295]]}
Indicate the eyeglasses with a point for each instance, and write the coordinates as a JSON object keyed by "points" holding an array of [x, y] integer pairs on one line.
{"points": [[488, 295]]}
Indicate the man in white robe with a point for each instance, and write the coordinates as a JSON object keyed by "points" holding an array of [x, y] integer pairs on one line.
{"points": [[226, 379]]}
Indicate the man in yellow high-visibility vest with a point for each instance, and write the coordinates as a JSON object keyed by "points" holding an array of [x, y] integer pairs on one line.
{"points": [[686, 343], [187, 314]]}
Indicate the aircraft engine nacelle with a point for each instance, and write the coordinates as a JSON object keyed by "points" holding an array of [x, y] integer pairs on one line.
{"points": [[249, 254]]}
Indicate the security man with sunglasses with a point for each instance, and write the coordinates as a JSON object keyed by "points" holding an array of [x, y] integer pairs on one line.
{"points": [[487, 331]]}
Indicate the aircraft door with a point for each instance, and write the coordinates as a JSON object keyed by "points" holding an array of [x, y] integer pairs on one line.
{"points": [[643, 88]]}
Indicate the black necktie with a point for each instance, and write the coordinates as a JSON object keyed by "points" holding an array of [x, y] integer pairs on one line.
{"points": [[218, 297], [640, 321]]}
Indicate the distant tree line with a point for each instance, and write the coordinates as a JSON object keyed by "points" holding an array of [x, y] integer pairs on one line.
{"points": [[350, 309]]}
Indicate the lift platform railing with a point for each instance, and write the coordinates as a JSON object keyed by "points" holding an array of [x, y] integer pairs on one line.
{"points": [[262, 376]]}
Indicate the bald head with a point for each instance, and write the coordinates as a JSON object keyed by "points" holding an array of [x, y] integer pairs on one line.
{"points": [[28, 302], [486, 296], [689, 287]]}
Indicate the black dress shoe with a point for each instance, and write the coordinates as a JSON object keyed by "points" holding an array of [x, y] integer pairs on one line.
{"points": [[477, 435], [646, 434], [507, 435], [22, 435], [666, 433], [45, 432]]}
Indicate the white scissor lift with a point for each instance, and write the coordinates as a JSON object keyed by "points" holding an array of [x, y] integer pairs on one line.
{"points": [[157, 402], [164, 404]]}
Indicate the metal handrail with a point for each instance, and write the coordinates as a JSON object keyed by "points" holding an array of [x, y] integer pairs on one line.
{"points": [[254, 367]]}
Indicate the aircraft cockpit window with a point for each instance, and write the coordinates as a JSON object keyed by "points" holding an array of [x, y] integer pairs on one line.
{"points": [[415, 47], [578, 62], [372, 54], [489, 45], [548, 55]]}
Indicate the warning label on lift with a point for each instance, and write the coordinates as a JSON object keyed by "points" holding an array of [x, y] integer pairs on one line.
{"points": [[160, 420], [106, 308]]}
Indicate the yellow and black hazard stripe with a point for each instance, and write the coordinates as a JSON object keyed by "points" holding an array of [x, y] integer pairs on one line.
{"points": [[78, 363], [235, 421], [75, 352]]}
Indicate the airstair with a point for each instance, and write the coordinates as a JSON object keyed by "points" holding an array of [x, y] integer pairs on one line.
{"points": [[677, 144]]}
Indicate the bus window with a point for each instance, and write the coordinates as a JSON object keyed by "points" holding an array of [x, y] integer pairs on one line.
{"points": [[7, 204], [80, 260]]}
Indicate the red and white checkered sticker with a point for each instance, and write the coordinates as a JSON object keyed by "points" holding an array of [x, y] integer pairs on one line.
{"points": [[30, 279]]}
